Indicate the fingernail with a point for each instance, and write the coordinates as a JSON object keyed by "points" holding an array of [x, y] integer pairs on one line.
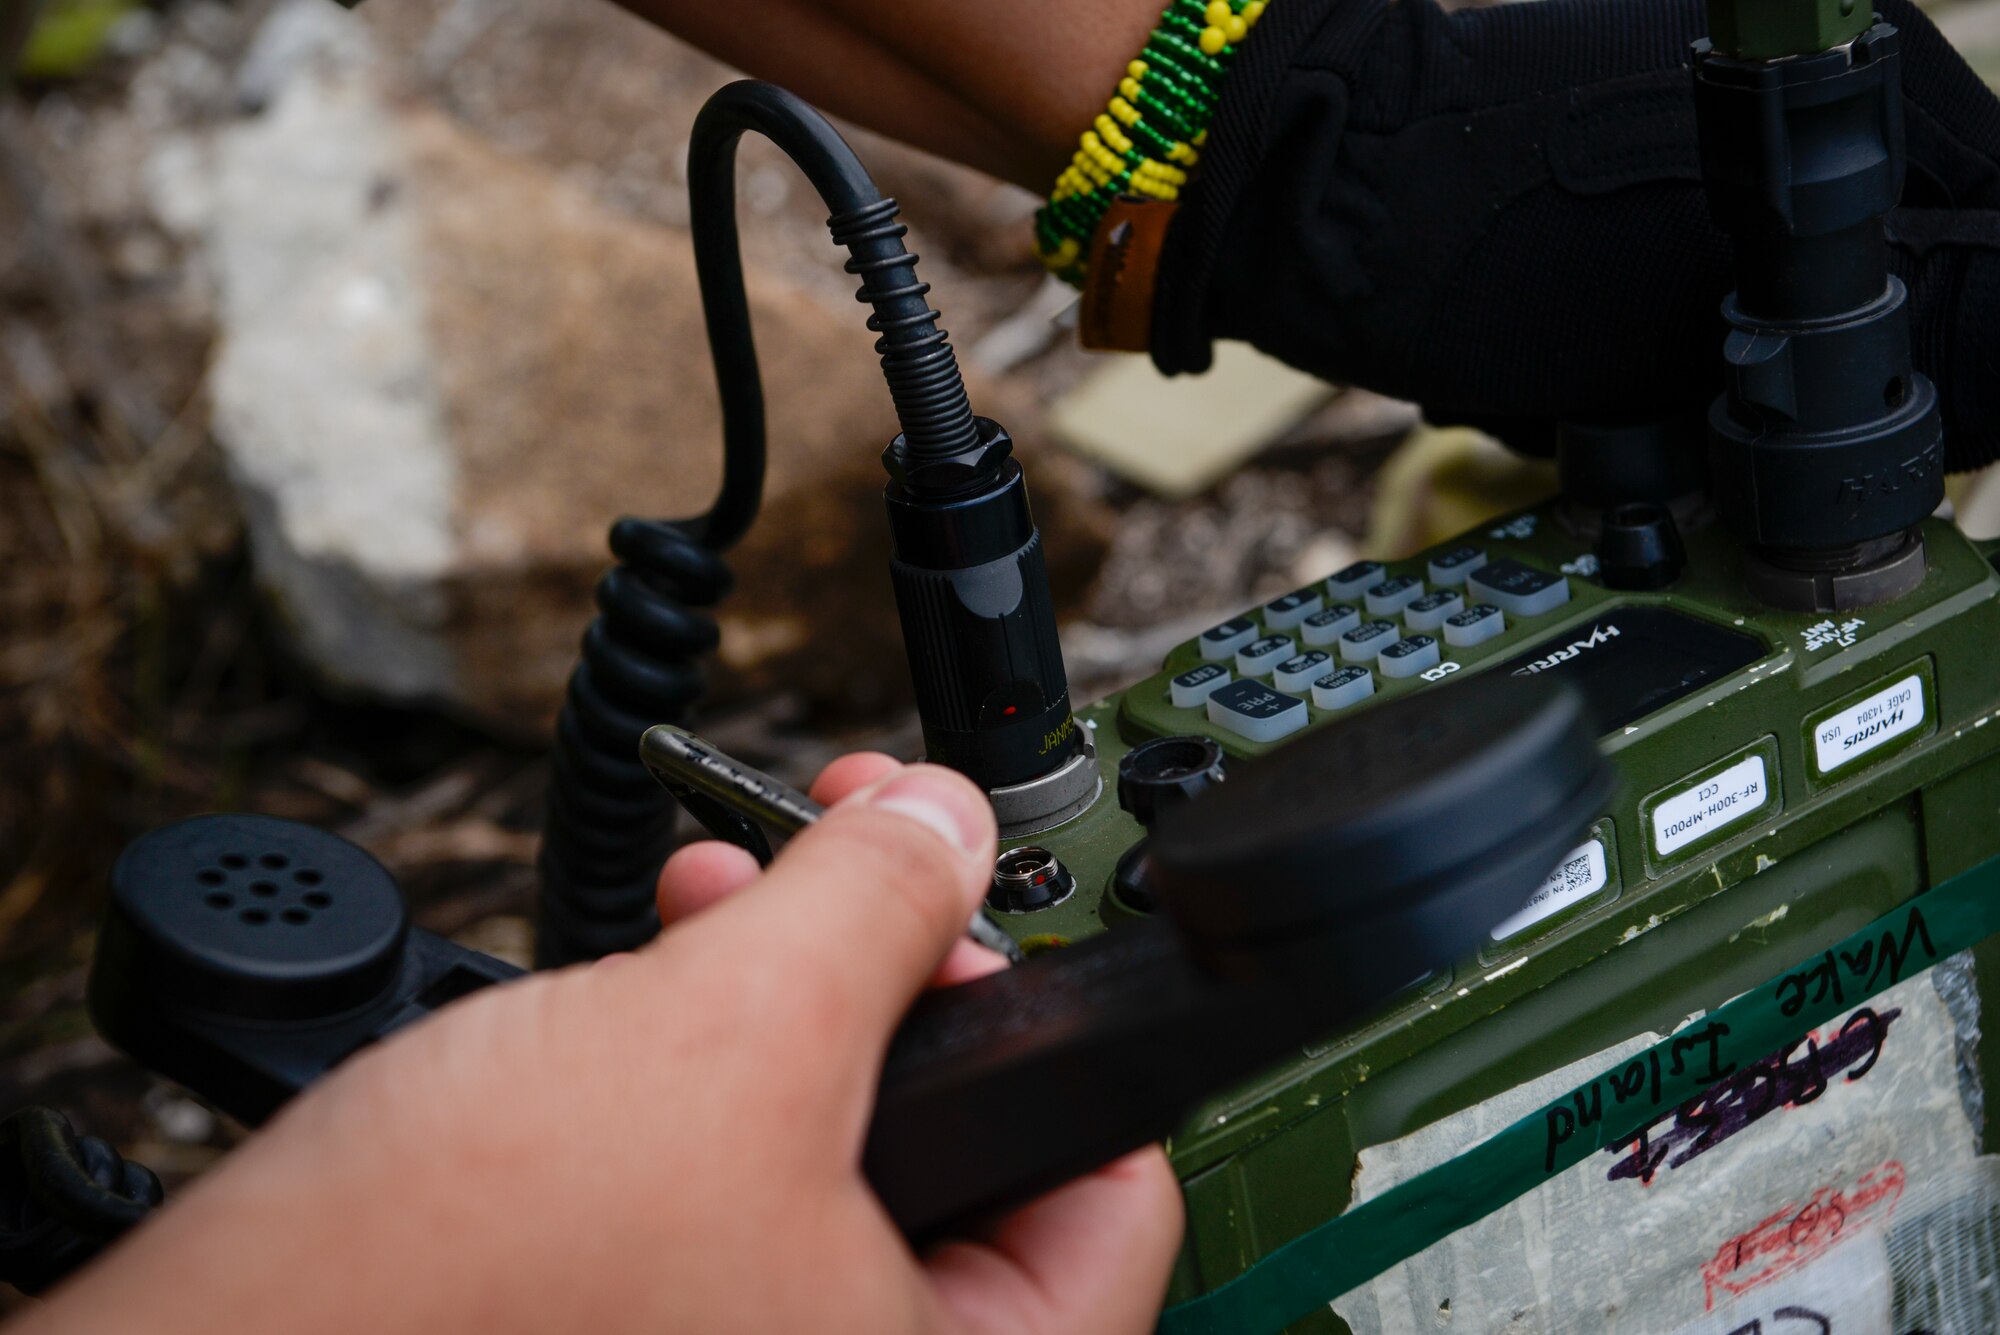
{"points": [[941, 800]]}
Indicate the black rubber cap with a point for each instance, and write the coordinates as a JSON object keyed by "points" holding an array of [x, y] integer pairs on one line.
{"points": [[1639, 547], [249, 917], [1405, 832], [1166, 770], [1131, 879]]}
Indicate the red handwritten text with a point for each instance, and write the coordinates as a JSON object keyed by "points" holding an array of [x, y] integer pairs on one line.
{"points": [[1801, 1231]]}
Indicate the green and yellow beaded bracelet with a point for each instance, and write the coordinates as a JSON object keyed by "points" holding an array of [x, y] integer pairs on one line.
{"points": [[1151, 133]]}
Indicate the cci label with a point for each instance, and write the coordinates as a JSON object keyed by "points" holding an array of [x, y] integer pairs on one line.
{"points": [[1578, 876], [1852, 731], [1713, 804]]}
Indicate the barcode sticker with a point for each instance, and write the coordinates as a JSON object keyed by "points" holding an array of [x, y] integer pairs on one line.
{"points": [[1580, 874]]}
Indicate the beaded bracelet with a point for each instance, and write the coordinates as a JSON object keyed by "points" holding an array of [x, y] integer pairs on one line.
{"points": [[1151, 133]]}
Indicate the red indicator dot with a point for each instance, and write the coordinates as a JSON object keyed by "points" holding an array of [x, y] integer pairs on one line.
{"points": [[1008, 712]]}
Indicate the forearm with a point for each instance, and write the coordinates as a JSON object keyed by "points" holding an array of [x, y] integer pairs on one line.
{"points": [[1004, 88]]}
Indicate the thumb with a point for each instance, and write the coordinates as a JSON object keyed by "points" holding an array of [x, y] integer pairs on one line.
{"points": [[865, 904]]}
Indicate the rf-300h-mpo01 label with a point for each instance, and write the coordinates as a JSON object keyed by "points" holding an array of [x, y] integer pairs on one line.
{"points": [[1714, 802]]}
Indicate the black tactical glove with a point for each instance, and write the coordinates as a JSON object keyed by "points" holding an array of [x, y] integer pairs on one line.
{"points": [[1498, 213]]}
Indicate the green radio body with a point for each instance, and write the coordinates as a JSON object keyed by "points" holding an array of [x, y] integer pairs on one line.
{"points": [[1785, 779]]}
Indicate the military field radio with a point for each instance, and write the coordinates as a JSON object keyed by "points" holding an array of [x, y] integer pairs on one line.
{"points": [[1291, 896]]}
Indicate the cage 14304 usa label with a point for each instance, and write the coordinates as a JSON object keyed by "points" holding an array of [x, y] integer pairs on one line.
{"points": [[1858, 728]]}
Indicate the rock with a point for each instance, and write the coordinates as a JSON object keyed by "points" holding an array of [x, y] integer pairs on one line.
{"points": [[442, 370], [296, 35], [594, 92]]}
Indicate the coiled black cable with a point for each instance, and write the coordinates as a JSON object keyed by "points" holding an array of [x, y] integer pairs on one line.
{"points": [[63, 1198], [609, 824]]}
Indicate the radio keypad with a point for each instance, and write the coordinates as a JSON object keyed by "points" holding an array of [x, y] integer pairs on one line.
{"points": [[1393, 595], [1195, 685], [1297, 673], [1406, 658], [1222, 642], [1255, 712], [1366, 640], [1356, 580], [1429, 612], [1305, 645], [1259, 657], [1449, 570], [1286, 612], [1348, 686], [1326, 627], [1475, 625], [1518, 590]]}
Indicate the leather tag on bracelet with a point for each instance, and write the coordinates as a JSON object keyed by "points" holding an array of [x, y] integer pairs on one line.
{"points": [[1117, 311]]}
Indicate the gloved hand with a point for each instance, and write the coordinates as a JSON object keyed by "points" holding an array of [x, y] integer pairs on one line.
{"points": [[1499, 214]]}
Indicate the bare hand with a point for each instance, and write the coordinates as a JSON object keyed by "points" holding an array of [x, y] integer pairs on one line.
{"points": [[665, 1141]]}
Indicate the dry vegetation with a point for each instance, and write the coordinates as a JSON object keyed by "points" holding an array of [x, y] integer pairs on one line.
{"points": [[140, 680]]}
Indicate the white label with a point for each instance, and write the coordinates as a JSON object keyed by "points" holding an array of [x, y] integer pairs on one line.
{"points": [[1715, 803], [1824, 633], [1771, 1195], [1851, 733], [1578, 876]]}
